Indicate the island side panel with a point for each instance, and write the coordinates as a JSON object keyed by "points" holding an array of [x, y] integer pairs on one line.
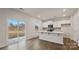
{"points": [[52, 37]]}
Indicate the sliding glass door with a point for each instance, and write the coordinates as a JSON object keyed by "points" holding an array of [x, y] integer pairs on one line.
{"points": [[21, 28], [16, 29]]}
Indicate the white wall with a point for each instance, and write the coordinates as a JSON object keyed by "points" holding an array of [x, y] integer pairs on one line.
{"points": [[2, 30], [75, 26], [31, 28], [6, 14]]}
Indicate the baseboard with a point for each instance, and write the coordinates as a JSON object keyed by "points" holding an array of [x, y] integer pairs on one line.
{"points": [[33, 38], [2, 46]]}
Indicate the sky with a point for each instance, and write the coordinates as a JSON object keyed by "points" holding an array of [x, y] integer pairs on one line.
{"points": [[15, 22]]}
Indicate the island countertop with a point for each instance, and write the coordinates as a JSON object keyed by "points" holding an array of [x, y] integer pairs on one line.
{"points": [[51, 32]]}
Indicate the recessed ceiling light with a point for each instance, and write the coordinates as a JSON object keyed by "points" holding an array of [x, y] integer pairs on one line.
{"points": [[64, 15], [64, 10], [39, 16]]}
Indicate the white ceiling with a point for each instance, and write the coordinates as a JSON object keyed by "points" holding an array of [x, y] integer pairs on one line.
{"points": [[48, 13]]}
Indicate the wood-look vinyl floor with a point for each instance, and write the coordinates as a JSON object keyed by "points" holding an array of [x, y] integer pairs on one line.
{"points": [[35, 44]]}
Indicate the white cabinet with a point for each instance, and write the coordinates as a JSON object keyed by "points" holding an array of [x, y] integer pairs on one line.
{"points": [[56, 24]]}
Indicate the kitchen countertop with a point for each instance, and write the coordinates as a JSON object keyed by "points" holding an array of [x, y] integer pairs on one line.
{"points": [[59, 32]]}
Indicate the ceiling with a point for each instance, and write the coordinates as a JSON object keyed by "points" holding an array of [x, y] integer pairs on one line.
{"points": [[48, 13]]}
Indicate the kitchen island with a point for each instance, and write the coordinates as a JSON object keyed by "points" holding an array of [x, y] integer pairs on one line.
{"points": [[51, 36]]}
